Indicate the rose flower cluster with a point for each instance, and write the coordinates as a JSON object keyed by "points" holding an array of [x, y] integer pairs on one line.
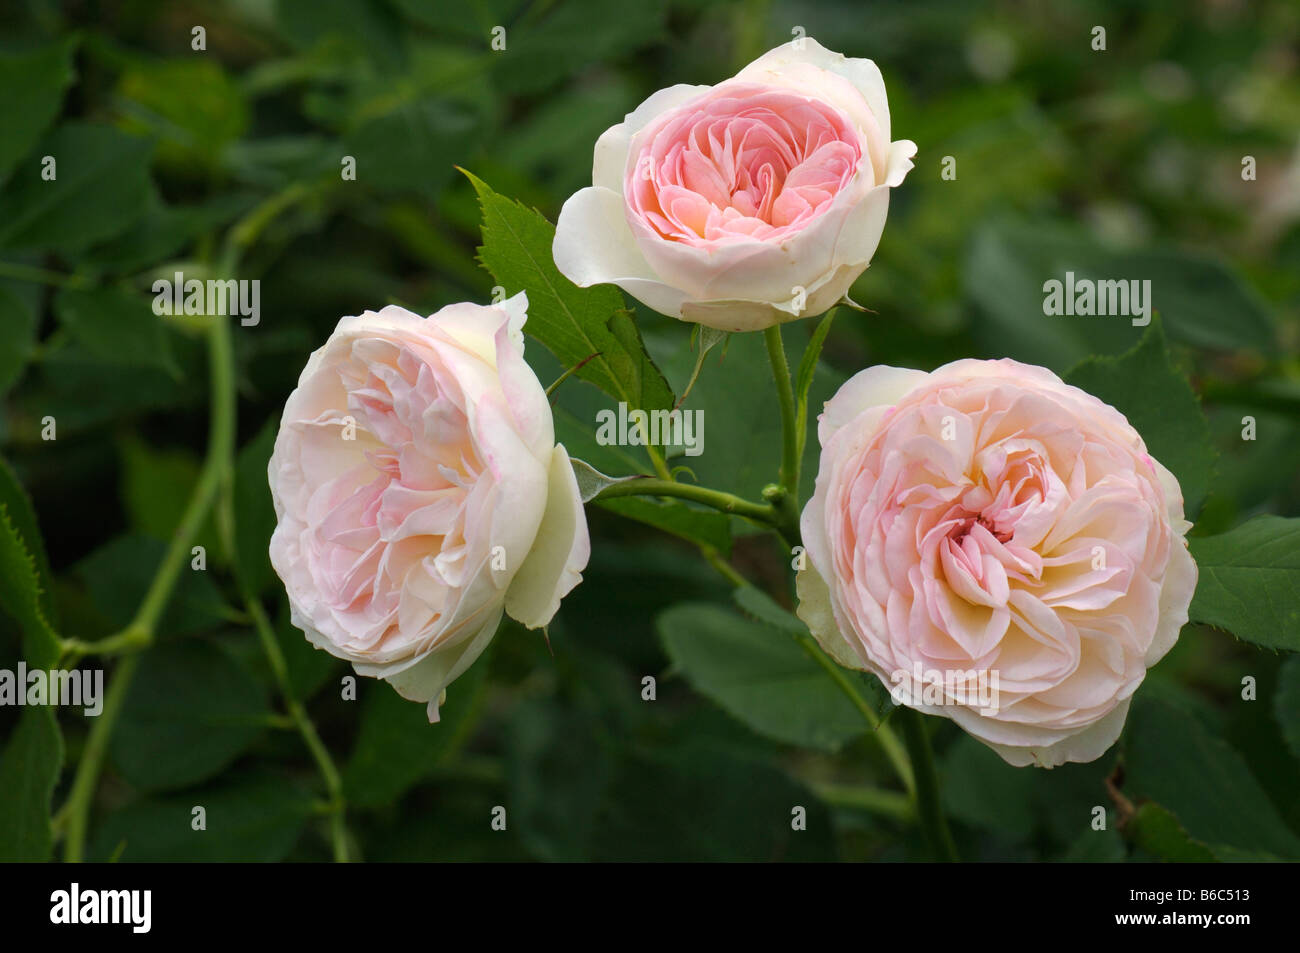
{"points": [[981, 518]]}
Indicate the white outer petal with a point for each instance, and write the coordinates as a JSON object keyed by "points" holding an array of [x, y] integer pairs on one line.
{"points": [[817, 610], [559, 553], [426, 680], [610, 161], [879, 386], [594, 245], [1081, 747], [1181, 573], [864, 74]]}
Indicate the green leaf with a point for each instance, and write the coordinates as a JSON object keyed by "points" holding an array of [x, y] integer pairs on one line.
{"points": [[1286, 703], [18, 505], [20, 594], [761, 607], [706, 527], [541, 51], [1250, 581], [309, 667], [1145, 387], [18, 326], [757, 604], [1019, 805], [161, 231], [335, 25], [705, 804], [1096, 847], [397, 746], [256, 819], [118, 574], [31, 91], [742, 448], [100, 190], [1158, 832], [415, 146], [191, 711], [1202, 302], [591, 481], [572, 428], [807, 371], [761, 677], [29, 770], [118, 327], [156, 486], [1175, 761], [558, 774], [703, 340], [982, 790], [89, 396], [191, 105], [256, 511], [574, 323]]}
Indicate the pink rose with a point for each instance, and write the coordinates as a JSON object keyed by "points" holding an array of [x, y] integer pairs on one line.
{"points": [[745, 204], [420, 493], [989, 518]]}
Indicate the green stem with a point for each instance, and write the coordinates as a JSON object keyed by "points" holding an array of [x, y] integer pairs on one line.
{"points": [[889, 804], [717, 499], [722, 566], [306, 728], [238, 240], [214, 477], [658, 462], [41, 276], [880, 732], [74, 816], [139, 634], [785, 497], [889, 742], [928, 805], [804, 379], [785, 397], [247, 230], [224, 445]]}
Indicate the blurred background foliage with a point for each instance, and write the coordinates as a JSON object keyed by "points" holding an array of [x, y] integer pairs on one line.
{"points": [[1122, 163]]}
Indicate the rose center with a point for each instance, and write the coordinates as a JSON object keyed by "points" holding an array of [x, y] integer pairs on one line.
{"points": [[744, 162], [963, 529]]}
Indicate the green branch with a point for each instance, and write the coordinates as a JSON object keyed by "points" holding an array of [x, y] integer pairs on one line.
{"points": [[716, 499], [784, 496], [337, 805], [928, 805], [139, 634], [889, 742]]}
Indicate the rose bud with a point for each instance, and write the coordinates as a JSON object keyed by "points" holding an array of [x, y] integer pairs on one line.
{"points": [[746, 204]]}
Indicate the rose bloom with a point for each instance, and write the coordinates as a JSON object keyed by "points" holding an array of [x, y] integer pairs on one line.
{"points": [[420, 493], [746, 204], [989, 517]]}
